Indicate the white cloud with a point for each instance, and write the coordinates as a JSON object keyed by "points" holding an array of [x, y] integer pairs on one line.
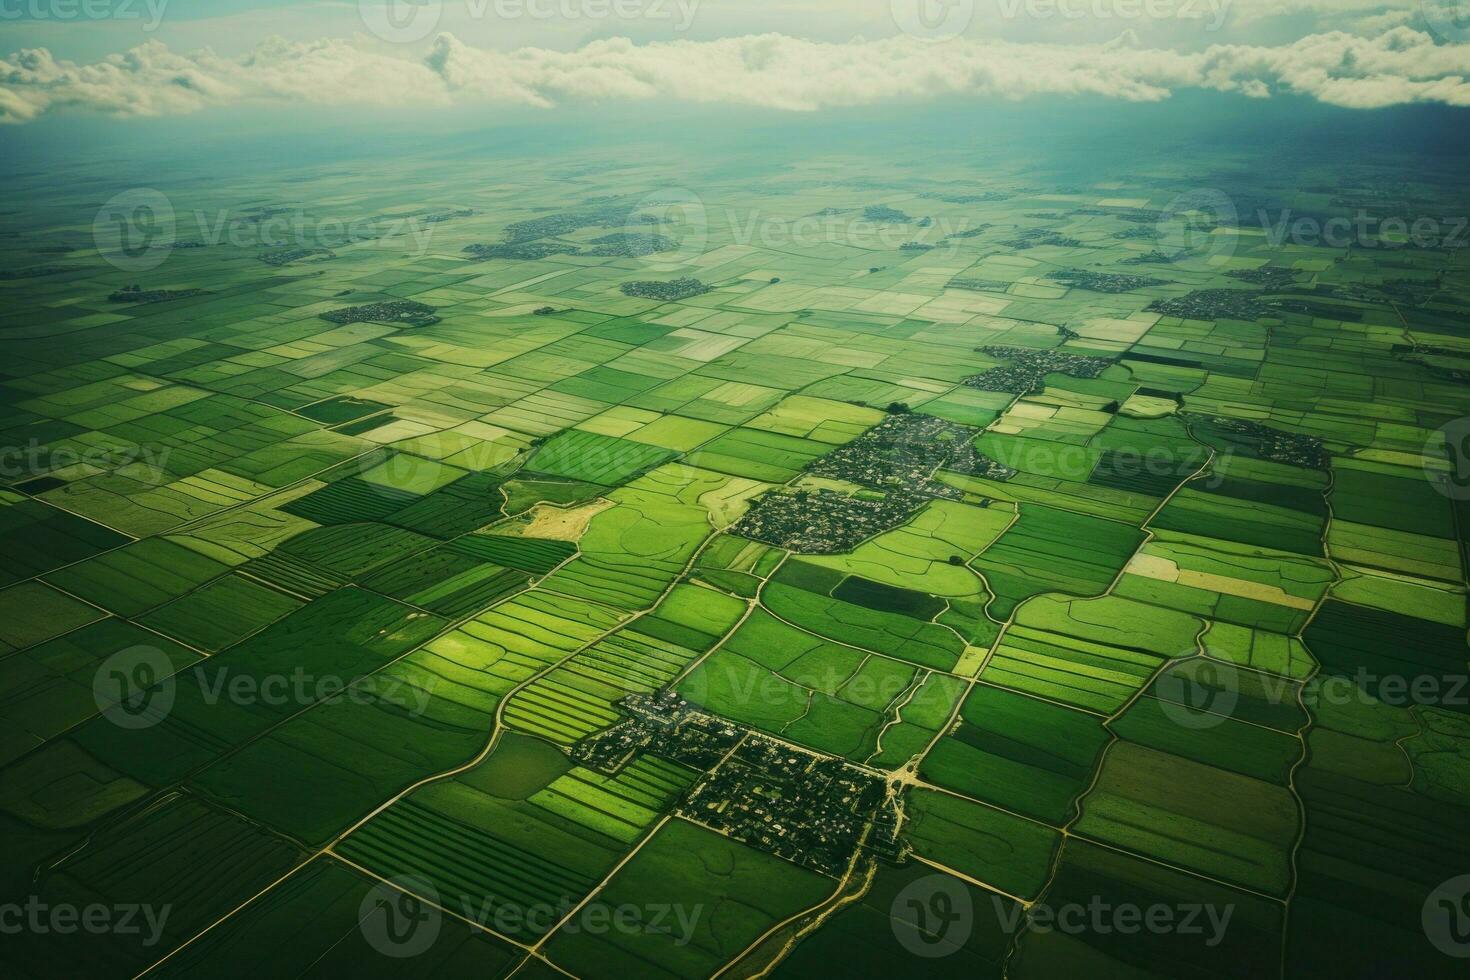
{"points": [[772, 70]]}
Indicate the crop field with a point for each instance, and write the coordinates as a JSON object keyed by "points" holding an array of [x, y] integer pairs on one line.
{"points": [[906, 542], [745, 891], [545, 842]]}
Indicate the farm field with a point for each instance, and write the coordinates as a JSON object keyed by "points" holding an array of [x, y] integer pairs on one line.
{"points": [[514, 578]]}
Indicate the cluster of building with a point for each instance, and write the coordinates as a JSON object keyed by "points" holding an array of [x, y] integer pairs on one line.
{"points": [[1268, 443], [1268, 276], [137, 294], [1105, 282], [1214, 304], [980, 285], [903, 452], [567, 222], [974, 232], [1138, 216], [666, 292], [897, 458], [886, 215], [630, 245], [618, 245], [286, 256], [988, 197], [810, 809], [1040, 236], [520, 251], [824, 522], [399, 311], [1443, 368], [435, 219], [664, 725], [1026, 368]]}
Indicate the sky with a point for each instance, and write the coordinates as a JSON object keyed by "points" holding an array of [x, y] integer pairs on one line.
{"points": [[133, 59]]}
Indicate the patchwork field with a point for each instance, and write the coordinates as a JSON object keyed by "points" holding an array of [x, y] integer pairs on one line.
{"points": [[615, 598]]}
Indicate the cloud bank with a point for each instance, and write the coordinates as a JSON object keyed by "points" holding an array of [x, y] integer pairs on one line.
{"points": [[772, 71]]}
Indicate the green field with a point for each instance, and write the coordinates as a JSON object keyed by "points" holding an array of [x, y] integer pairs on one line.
{"points": [[812, 538]]}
